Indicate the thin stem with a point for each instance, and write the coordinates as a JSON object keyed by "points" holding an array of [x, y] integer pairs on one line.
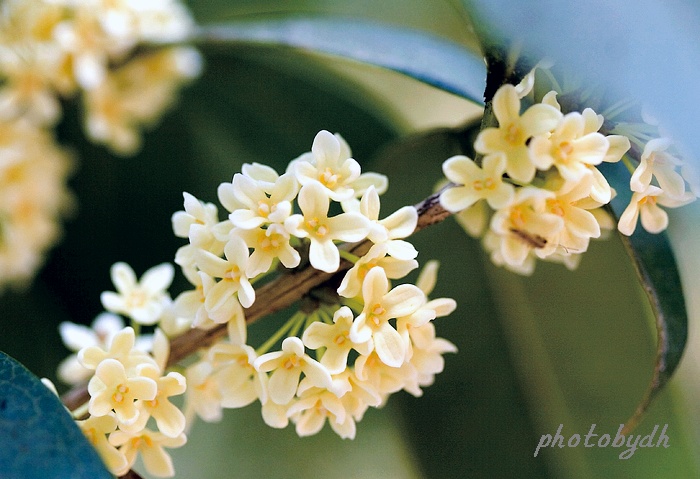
{"points": [[291, 322], [347, 255]]}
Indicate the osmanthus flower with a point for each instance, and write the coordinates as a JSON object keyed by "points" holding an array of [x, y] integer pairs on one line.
{"points": [[572, 204], [525, 225], [98, 334], [492, 244], [391, 229], [96, 429], [335, 338], [135, 95], [121, 347], [329, 164], [474, 219], [262, 205], [268, 244], [360, 396], [428, 350], [377, 376], [377, 255], [233, 279], [190, 304], [27, 91], [380, 305], [239, 383], [658, 163], [645, 204], [169, 419], [33, 198], [314, 406], [431, 309], [203, 395], [514, 130], [569, 148], [322, 230], [151, 445], [475, 183], [142, 300], [287, 366], [196, 221], [112, 389]]}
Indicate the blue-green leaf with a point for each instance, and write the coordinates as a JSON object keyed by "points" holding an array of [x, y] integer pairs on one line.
{"points": [[425, 57], [38, 438]]}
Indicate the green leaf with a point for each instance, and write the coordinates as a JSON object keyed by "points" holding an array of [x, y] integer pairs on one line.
{"points": [[656, 267], [425, 57], [38, 438]]}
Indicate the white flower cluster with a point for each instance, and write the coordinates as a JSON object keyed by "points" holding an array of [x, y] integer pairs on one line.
{"points": [[33, 198], [339, 359], [660, 179], [128, 382], [539, 177], [51, 50], [54, 48]]}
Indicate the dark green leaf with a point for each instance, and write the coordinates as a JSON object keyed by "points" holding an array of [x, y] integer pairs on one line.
{"points": [[656, 267], [38, 438], [428, 58]]}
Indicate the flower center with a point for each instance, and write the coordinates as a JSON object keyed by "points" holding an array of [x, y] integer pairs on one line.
{"points": [[556, 207], [513, 134], [341, 338], [565, 150], [291, 362], [137, 298], [329, 179], [263, 209], [233, 274], [375, 314], [119, 393], [315, 226], [517, 218]]}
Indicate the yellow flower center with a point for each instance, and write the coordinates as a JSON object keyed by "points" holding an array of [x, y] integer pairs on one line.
{"points": [[233, 274], [341, 338], [315, 226], [119, 393], [272, 242], [264, 208], [648, 199], [329, 179], [564, 150], [487, 184], [556, 207], [136, 299], [514, 135], [291, 362], [375, 313], [517, 218]]}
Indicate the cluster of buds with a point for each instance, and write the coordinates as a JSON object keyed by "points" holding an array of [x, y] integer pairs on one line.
{"points": [[56, 49], [538, 187], [352, 343]]}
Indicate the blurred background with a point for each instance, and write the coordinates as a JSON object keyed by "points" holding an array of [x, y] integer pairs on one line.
{"points": [[560, 347]]}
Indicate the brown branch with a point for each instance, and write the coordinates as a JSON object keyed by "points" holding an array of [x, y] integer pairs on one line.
{"points": [[273, 296]]}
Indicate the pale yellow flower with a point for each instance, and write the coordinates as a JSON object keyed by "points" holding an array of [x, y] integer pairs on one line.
{"points": [[151, 445], [287, 366], [322, 230], [111, 389], [514, 130], [335, 338], [474, 183]]}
